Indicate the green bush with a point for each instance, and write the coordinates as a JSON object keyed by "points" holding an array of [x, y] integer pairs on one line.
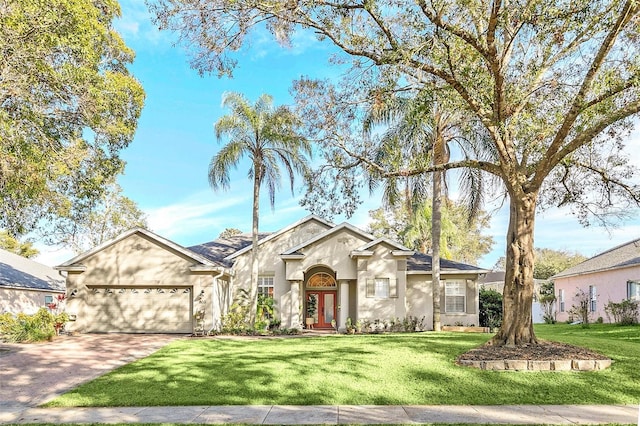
{"points": [[25, 328], [490, 308], [623, 313], [235, 321]]}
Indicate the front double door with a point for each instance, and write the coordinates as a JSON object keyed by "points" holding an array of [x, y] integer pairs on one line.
{"points": [[326, 306]]}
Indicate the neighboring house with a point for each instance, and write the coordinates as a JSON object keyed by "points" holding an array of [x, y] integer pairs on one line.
{"points": [[141, 282], [26, 285], [494, 280], [610, 276]]}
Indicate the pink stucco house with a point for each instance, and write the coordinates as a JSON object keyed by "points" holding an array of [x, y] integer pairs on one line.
{"points": [[613, 275]]}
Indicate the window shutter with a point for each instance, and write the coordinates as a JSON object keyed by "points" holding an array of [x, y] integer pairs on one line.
{"points": [[393, 288], [628, 289], [471, 297], [371, 287]]}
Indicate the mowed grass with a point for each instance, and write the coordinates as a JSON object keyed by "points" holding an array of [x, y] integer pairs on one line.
{"points": [[373, 369]]}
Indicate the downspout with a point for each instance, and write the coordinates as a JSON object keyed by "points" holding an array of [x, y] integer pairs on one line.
{"points": [[213, 294]]}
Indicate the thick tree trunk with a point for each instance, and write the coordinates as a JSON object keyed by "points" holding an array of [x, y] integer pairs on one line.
{"points": [[517, 324], [253, 289], [436, 230]]}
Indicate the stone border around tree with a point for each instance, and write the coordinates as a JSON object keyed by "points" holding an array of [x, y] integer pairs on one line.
{"points": [[529, 365]]}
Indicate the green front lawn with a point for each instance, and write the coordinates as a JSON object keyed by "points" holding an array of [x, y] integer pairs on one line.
{"points": [[374, 369]]}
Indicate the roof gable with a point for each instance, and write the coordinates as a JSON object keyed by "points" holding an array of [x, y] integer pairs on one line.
{"points": [[282, 231], [161, 241], [396, 245], [622, 256], [327, 233], [19, 272]]}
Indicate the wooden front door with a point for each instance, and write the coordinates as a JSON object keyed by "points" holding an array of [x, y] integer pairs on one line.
{"points": [[326, 305]]}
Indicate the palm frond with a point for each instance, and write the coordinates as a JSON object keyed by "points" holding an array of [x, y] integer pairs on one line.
{"points": [[223, 162]]}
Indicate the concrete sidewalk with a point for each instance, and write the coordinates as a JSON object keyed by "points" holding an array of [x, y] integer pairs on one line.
{"points": [[320, 414]]}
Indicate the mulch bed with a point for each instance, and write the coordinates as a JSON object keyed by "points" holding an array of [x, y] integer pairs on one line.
{"points": [[544, 351]]}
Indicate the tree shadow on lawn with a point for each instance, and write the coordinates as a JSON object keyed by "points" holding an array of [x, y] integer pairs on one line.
{"points": [[476, 387], [224, 374], [353, 370]]}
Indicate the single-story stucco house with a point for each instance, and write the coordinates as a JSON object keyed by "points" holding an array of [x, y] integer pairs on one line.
{"points": [[141, 282], [26, 285], [613, 275]]}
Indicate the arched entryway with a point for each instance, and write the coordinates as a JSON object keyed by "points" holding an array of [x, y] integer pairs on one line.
{"points": [[321, 297]]}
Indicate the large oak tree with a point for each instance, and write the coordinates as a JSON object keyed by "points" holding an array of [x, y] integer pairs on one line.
{"points": [[552, 85], [68, 106]]}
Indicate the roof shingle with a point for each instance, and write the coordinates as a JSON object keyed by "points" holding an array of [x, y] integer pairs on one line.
{"points": [[422, 262], [218, 250], [622, 256], [19, 272]]}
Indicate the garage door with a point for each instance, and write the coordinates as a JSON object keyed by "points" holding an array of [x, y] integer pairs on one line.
{"points": [[139, 310]]}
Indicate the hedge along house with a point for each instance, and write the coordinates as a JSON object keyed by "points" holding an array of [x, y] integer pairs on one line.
{"points": [[141, 282]]}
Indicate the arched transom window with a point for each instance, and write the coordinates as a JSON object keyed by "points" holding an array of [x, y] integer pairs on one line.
{"points": [[321, 279]]}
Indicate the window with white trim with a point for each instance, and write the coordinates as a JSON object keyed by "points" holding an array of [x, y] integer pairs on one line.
{"points": [[265, 285], [633, 290], [561, 299], [381, 288], [455, 297], [593, 298]]}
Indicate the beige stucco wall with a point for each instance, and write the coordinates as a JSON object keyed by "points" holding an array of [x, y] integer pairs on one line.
{"points": [[135, 269], [420, 300], [332, 252], [471, 316], [15, 300], [382, 264], [270, 263]]}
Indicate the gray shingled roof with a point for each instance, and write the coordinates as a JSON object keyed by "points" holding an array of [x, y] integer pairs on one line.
{"points": [[422, 262], [219, 249], [492, 277], [20, 272], [622, 256]]}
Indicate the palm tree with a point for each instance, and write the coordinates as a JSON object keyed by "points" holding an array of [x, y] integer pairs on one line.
{"points": [[419, 131], [269, 137]]}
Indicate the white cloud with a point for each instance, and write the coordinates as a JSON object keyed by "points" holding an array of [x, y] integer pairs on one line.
{"points": [[135, 26], [198, 215], [53, 256]]}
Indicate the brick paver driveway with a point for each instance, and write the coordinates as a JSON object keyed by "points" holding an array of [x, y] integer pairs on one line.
{"points": [[31, 374]]}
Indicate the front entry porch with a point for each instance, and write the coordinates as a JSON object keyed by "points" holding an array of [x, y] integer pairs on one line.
{"points": [[321, 308]]}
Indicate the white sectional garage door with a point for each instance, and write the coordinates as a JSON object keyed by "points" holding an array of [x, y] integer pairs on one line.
{"points": [[140, 310]]}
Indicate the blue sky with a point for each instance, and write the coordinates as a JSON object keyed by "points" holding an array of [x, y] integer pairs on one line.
{"points": [[167, 161]]}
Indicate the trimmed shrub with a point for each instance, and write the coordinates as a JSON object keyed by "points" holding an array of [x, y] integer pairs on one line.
{"points": [[623, 313], [490, 308], [25, 328]]}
